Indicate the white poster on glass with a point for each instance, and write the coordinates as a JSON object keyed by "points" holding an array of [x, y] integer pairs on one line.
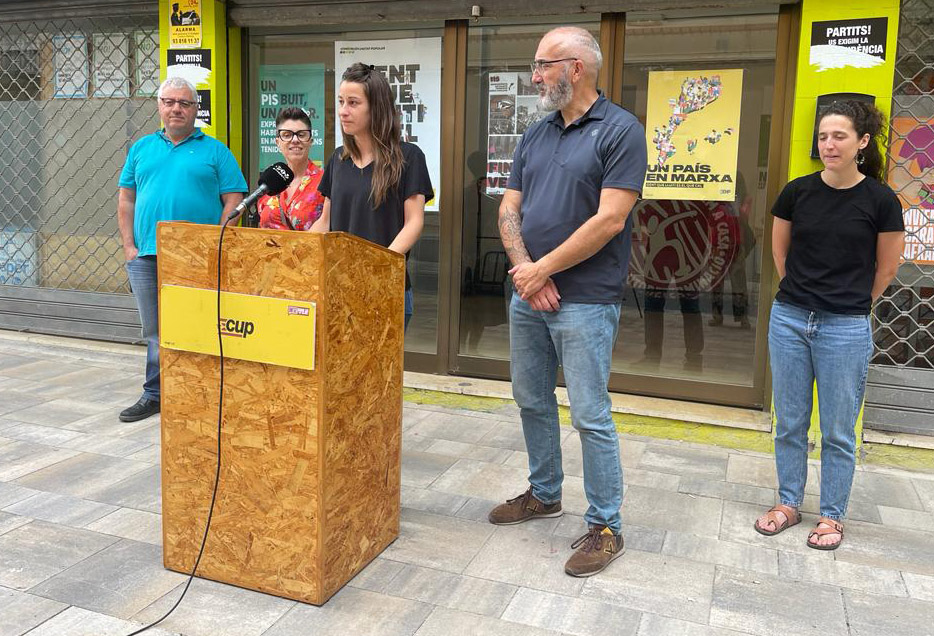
{"points": [[147, 63], [413, 68], [70, 65], [512, 108], [111, 60]]}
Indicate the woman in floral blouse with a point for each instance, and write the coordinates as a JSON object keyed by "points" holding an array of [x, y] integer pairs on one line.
{"points": [[300, 205]]}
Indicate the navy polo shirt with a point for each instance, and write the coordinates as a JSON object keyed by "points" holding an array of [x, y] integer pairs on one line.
{"points": [[560, 172], [181, 182]]}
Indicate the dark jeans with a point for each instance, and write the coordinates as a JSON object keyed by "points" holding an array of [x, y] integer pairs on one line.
{"points": [[655, 300], [737, 288], [409, 307]]}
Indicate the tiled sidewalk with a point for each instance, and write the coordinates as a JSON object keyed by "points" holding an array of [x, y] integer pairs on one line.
{"points": [[80, 533]]}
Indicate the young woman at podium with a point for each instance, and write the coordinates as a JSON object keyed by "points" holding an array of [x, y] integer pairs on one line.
{"points": [[375, 185], [300, 205]]}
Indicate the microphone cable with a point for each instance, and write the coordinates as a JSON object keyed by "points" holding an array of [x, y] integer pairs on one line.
{"points": [[220, 416]]}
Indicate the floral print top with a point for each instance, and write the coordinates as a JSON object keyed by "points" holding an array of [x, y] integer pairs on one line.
{"points": [[302, 210]]}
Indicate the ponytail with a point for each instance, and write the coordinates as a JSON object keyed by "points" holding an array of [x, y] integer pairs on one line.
{"points": [[867, 119]]}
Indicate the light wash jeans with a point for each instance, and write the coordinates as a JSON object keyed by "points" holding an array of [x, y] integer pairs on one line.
{"points": [[835, 349], [580, 338], [145, 286]]}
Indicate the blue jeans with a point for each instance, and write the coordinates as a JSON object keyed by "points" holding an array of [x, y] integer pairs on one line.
{"points": [[409, 308], [145, 285], [834, 349], [580, 338]]}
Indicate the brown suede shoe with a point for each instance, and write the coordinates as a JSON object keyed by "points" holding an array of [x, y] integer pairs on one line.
{"points": [[595, 551], [523, 508]]}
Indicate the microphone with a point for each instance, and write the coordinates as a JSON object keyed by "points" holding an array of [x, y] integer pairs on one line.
{"points": [[273, 180]]}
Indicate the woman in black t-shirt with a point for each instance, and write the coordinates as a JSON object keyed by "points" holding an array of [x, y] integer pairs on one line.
{"points": [[375, 185], [837, 238]]}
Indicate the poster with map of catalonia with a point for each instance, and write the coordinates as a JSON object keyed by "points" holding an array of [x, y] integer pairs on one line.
{"points": [[692, 134]]}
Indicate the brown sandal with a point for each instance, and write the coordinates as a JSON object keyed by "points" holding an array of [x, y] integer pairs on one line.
{"points": [[831, 526], [792, 517]]}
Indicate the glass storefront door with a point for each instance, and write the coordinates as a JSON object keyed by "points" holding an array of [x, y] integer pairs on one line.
{"points": [[690, 320], [691, 325], [501, 104], [695, 272], [297, 68]]}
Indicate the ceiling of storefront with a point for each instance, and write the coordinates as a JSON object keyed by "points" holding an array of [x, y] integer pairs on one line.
{"points": [[320, 12], [273, 12]]}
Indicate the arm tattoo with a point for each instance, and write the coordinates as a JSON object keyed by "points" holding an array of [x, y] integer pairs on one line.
{"points": [[510, 226]]}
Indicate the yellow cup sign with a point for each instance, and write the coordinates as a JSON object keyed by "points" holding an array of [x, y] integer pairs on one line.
{"points": [[256, 328]]}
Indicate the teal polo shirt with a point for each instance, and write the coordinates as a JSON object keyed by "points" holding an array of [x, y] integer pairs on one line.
{"points": [[181, 182]]}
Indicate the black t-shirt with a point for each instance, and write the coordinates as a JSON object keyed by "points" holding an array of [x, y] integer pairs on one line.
{"points": [[348, 187], [831, 262]]}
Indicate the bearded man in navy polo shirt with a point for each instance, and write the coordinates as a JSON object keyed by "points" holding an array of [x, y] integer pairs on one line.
{"points": [[175, 174], [564, 221]]}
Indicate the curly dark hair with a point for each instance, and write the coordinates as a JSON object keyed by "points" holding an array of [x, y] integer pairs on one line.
{"points": [[867, 119]]}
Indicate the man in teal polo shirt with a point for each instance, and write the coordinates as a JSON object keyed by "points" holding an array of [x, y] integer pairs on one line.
{"points": [[175, 174]]}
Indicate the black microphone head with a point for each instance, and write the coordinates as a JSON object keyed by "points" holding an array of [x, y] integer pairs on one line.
{"points": [[276, 178]]}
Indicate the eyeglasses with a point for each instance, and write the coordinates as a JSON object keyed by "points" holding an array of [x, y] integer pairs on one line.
{"points": [[286, 135], [543, 65], [170, 103]]}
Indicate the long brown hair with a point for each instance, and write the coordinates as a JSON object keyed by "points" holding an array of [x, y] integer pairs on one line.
{"points": [[385, 130]]}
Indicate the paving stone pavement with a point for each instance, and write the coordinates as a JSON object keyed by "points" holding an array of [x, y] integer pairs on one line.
{"points": [[80, 533]]}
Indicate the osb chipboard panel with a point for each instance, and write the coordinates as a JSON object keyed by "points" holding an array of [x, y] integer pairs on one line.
{"points": [[259, 262], [362, 424], [265, 534]]}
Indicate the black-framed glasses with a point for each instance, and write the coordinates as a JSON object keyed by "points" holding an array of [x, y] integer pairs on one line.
{"points": [[543, 65], [286, 135], [170, 103]]}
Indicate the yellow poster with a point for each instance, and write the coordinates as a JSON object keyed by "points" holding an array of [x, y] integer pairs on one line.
{"points": [[184, 24], [692, 133], [256, 328]]}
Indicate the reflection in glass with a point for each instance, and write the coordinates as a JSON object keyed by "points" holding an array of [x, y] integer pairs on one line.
{"points": [[694, 271]]}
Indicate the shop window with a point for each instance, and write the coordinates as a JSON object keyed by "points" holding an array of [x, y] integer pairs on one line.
{"points": [[303, 68], [74, 95], [704, 88]]}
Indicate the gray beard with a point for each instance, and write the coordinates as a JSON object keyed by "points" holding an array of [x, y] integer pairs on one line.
{"points": [[557, 96]]}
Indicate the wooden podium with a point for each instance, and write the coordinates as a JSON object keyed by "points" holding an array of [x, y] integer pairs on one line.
{"points": [[309, 487]]}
